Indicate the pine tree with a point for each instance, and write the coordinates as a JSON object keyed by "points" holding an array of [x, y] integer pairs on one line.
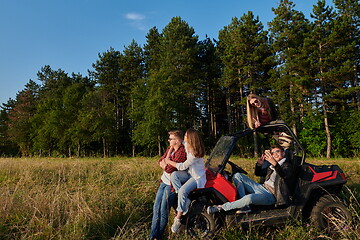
{"points": [[349, 23], [48, 122], [287, 31], [71, 140], [19, 117], [7, 147], [171, 85], [132, 72], [106, 73], [245, 53], [212, 95], [329, 62], [144, 130]]}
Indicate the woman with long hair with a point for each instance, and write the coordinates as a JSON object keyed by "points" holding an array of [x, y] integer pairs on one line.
{"points": [[259, 111], [195, 177]]}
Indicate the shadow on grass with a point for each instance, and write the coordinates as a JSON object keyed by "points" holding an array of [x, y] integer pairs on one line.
{"points": [[122, 224]]}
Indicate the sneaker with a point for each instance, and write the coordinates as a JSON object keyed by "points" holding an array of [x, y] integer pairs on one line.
{"points": [[213, 209], [245, 209], [176, 225]]}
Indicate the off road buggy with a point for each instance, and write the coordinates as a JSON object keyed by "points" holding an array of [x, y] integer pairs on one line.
{"points": [[314, 190]]}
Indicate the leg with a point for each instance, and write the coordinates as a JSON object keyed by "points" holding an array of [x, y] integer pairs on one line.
{"points": [[245, 185], [183, 195], [178, 178], [183, 202], [261, 197], [155, 224], [167, 200]]}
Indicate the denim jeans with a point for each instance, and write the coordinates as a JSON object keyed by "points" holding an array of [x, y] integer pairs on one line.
{"points": [[183, 184], [257, 194], [163, 201]]}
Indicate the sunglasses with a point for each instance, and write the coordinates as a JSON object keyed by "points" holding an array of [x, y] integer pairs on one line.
{"points": [[253, 102], [276, 151]]}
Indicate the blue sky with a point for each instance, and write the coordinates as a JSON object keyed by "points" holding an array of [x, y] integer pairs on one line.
{"points": [[69, 34]]}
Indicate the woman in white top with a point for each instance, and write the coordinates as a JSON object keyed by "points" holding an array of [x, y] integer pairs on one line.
{"points": [[195, 177]]}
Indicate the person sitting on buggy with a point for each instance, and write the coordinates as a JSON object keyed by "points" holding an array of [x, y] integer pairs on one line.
{"points": [[273, 191]]}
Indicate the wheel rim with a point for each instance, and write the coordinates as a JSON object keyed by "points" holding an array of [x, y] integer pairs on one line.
{"points": [[334, 219], [200, 226]]}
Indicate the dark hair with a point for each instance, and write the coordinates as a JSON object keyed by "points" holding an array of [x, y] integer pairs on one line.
{"points": [[195, 143], [177, 133], [277, 146]]}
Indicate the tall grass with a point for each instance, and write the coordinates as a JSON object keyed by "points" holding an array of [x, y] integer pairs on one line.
{"points": [[75, 198], [53, 198]]}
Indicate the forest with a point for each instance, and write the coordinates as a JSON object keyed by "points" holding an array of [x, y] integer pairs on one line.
{"points": [[131, 98]]}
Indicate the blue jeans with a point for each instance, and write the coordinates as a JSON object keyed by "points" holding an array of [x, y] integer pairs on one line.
{"points": [[183, 184], [258, 194], [163, 201]]}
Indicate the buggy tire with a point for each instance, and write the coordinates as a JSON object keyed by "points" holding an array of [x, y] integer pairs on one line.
{"points": [[201, 225], [330, 214]]}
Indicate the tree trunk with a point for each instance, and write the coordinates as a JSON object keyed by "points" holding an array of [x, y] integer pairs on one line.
{"points": [[214, 124], [242, 113], [159, 146], [292, 108], [210, 111], [104, 147], [78, 149], [228, 110], [356, 83], [327, 129], [256, 145]]}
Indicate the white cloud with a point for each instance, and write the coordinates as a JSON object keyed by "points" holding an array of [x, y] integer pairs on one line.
{"points": [[136, 20], [134, 16]]}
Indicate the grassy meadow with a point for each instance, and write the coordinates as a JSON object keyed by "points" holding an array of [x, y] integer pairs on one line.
{"points": [[57, 198]]}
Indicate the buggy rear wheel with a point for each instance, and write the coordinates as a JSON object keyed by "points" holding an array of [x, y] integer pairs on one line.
{"points": [[330, 214]]}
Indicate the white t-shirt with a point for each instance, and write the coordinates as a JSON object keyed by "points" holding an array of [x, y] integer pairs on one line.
{"points": [[271, 181]]}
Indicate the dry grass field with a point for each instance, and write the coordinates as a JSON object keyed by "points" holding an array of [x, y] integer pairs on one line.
{"points": [[57, 198]]}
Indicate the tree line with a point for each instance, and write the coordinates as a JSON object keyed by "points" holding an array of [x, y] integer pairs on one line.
{"points": [[131, 98]]}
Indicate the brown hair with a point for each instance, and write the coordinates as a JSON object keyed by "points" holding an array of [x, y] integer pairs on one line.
{"points": [[195, 143], [177, 133], [277, 146]]}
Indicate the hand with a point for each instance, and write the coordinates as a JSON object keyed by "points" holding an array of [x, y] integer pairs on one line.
{"points": [[169, 152], [167, 160], [256, 123], [261, 160], [162, 164], [270, 158]]}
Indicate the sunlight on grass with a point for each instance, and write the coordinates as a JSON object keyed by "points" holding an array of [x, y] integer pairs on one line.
{"points": [[44, 198]]}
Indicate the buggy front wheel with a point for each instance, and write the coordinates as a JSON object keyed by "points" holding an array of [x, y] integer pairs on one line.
{"points": [[201, 225]]}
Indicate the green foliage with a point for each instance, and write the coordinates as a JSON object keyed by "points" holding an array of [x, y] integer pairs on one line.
{"points": [[171, 85], [19, 118], [131, 98], [312, 135], [290, 80]]}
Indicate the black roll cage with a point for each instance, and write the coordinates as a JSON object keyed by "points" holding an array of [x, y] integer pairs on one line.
{"points": [[270, 127]]}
